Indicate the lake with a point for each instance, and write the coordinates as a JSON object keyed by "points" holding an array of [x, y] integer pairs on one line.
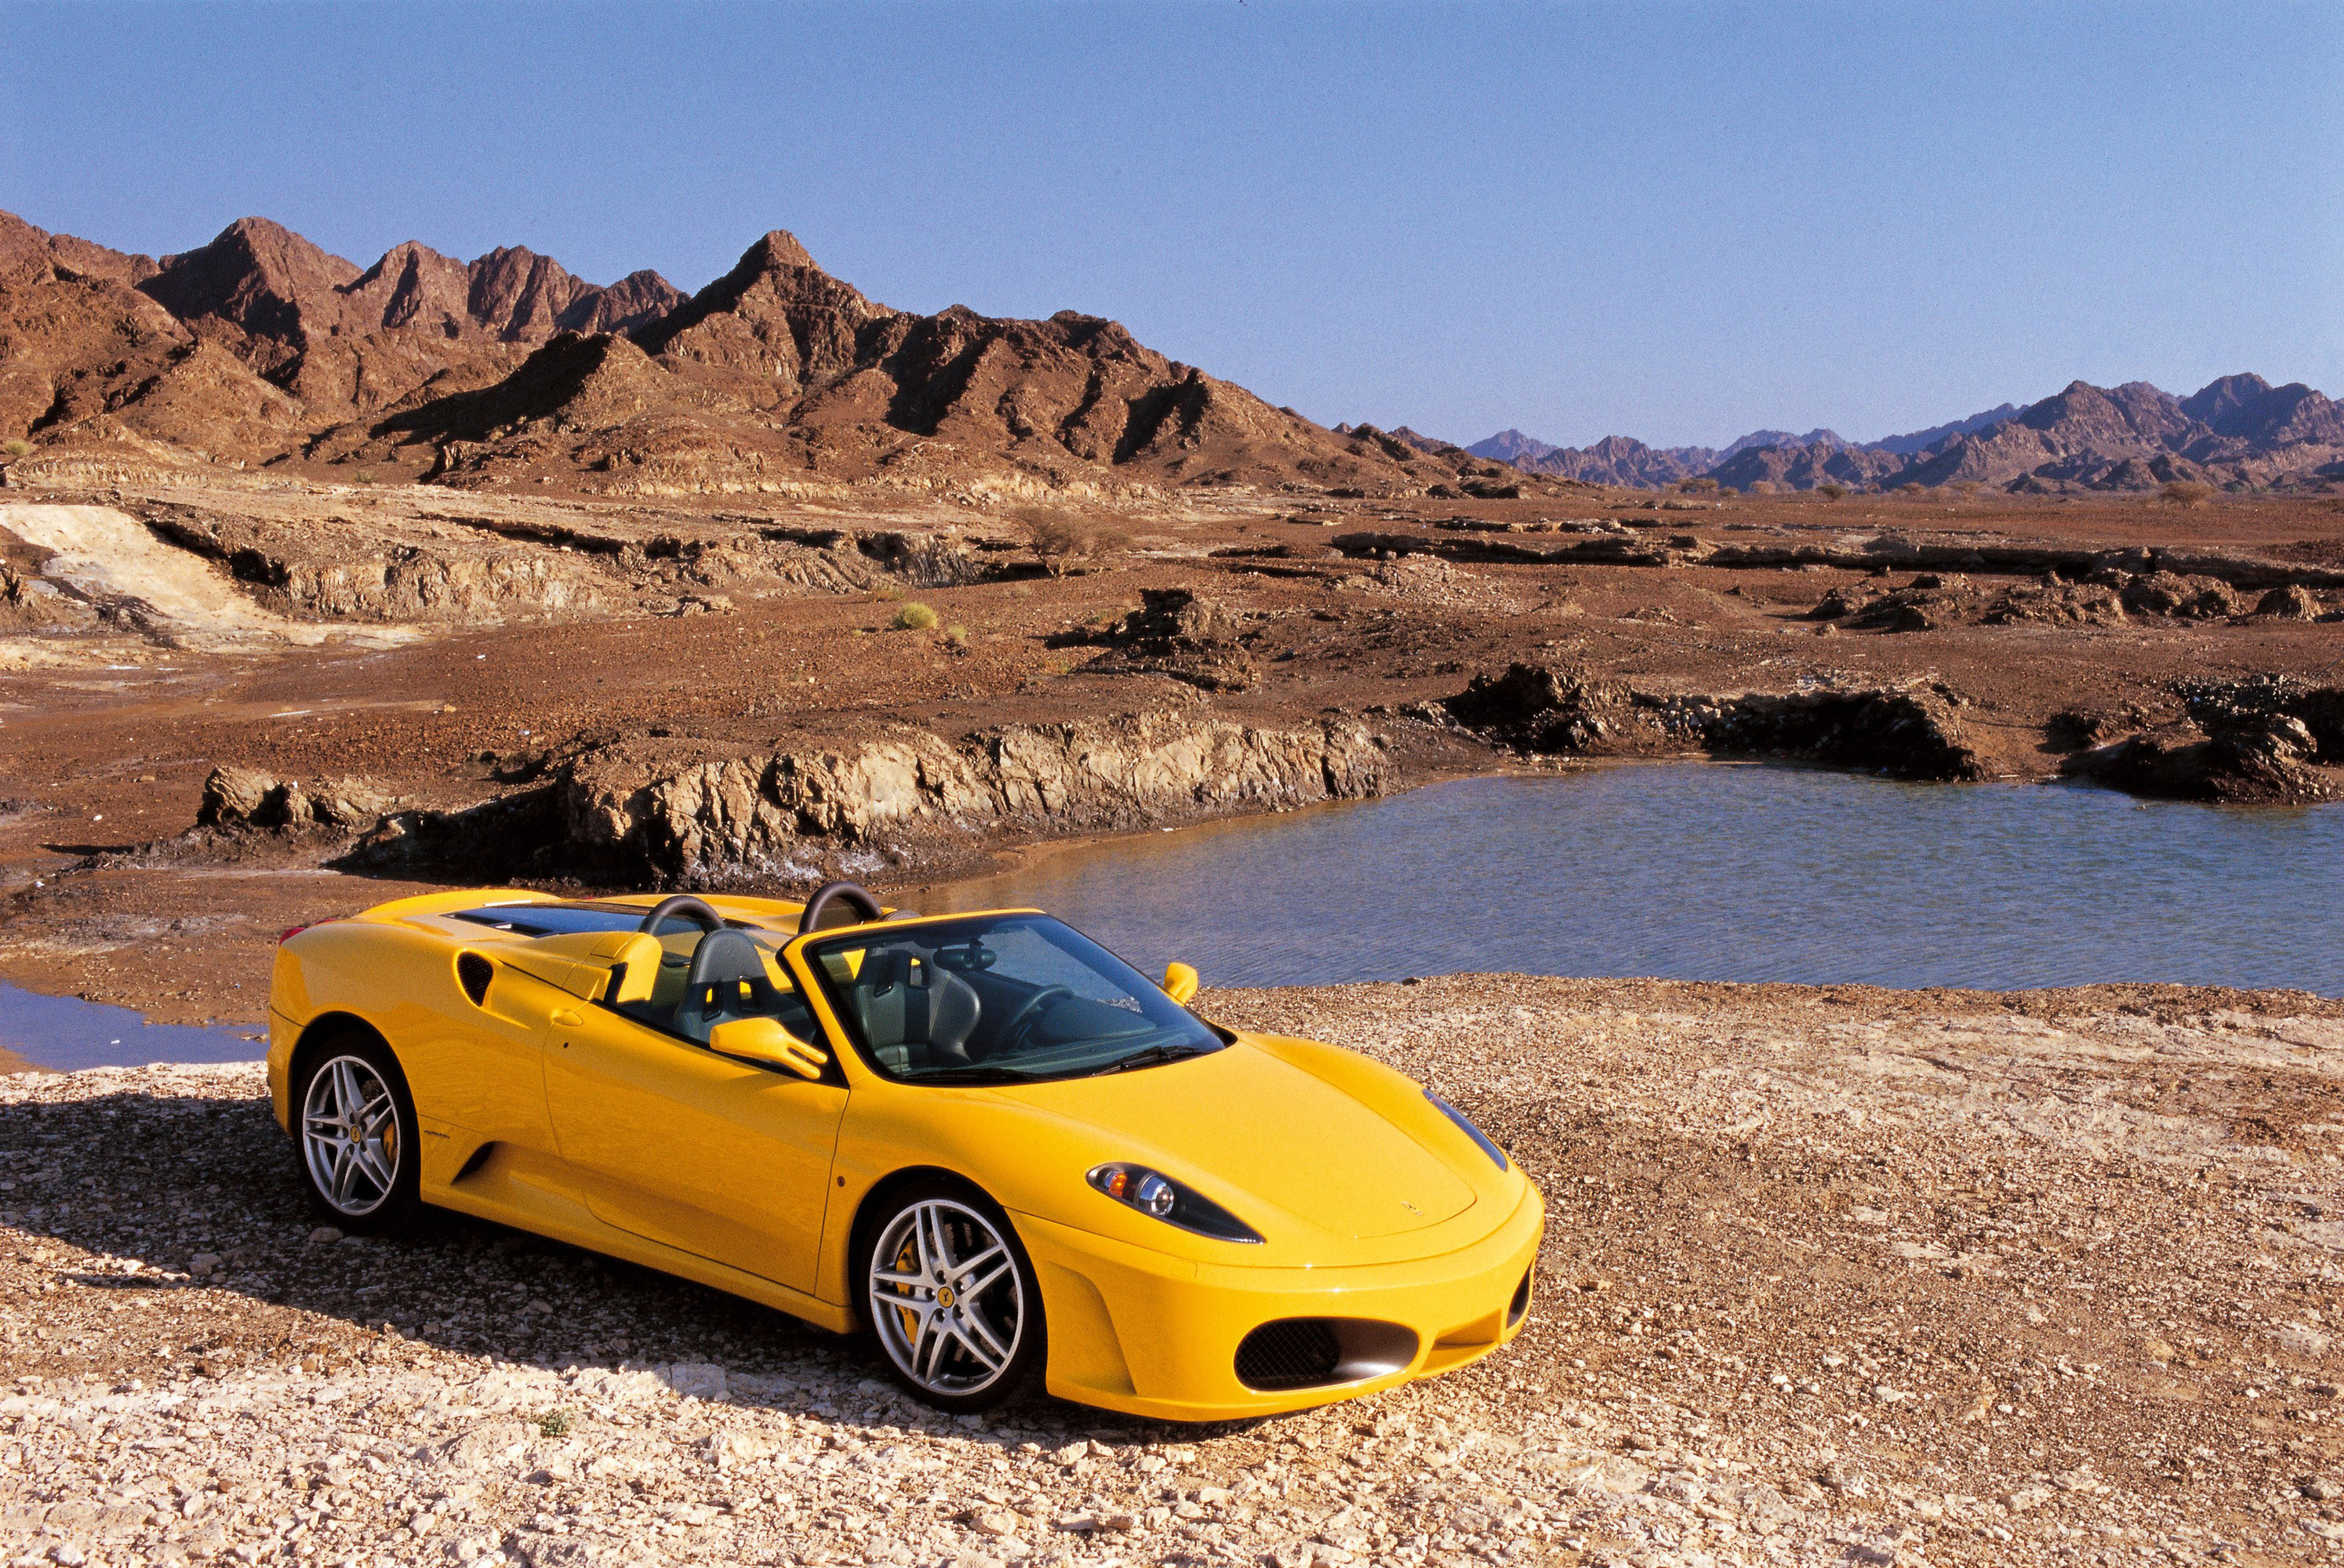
{"points": [[1720, 872]]}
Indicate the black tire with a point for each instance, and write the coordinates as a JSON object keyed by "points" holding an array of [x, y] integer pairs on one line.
{"points": [[963, 1325], [349, 1190]]}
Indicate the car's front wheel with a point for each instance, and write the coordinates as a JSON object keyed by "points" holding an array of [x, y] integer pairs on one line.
{"points": [[951, 1298], [354, 1135]]}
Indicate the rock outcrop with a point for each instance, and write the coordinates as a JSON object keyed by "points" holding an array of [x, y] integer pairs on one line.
{"points": [[242, 799], [2264, 740], [1913, 733], [1176, 634], [666, 812]]}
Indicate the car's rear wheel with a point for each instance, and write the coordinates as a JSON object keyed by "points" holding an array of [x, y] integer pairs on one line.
{"points": [[354, 1135], [951, 1298]]}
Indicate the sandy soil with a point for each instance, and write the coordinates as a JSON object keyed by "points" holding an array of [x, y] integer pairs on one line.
{"points": [[1831, 1276]]}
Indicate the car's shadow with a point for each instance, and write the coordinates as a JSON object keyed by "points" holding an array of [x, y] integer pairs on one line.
{"points": [[148, 1187]]}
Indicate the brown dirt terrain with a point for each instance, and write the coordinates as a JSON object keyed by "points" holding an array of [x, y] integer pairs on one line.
{"points": [[624, 694], [1831, 1276]]}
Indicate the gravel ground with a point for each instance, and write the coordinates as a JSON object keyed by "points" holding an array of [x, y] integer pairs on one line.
{"points": [[1831, 1276]]}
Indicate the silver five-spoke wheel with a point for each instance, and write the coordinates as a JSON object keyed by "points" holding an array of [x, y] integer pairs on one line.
{"points": [[350, 1136], [947, 1298]]}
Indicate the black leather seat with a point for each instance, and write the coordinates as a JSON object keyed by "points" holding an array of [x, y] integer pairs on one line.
{"points": [[916, 1014], [727, 981]]}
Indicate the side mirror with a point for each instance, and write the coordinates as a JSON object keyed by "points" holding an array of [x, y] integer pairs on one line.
{"points": [[764, 1041], [1180, 982]]}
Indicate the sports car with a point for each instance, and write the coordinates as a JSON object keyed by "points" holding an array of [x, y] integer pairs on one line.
{"points": [[983, 1138]]}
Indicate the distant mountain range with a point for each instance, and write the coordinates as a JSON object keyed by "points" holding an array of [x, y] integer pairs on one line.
{"points": [[2238, 433], [261, 351]]}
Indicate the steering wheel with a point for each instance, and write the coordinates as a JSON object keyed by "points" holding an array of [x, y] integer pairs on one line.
{"points": [[694, 910], [1029, 1014], [829, 892]]}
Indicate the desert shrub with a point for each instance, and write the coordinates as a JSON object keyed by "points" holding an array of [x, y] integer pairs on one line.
{"points": [[15, 448], [1060, 538], [1762, 486], [1910, 488], [554, 1423], [957, 636], [1831, 492], [1697, 487], [364, 476], [914, 616], [2187, 493]]}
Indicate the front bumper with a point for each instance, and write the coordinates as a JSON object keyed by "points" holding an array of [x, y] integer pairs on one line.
{"points": [[1153, 1335]]}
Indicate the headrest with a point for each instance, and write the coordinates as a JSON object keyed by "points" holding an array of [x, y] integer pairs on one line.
{"points": [[725, 955]]}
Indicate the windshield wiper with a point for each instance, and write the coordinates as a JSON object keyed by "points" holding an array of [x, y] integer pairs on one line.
{"points": [[1154, 1056], [973, 1073]]}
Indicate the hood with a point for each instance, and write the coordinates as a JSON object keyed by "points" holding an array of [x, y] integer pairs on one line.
{"points": [[1256, 1131]]}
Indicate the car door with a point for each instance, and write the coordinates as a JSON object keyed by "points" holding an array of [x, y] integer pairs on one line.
{"points": [[670, 1141]]}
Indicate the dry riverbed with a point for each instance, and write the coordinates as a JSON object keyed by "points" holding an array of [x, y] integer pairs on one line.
{"points": [[1832, 1275]]}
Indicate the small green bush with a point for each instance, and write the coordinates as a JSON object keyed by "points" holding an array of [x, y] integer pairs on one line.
{"points": [[364, 476], [15, 448], [914, 616], [957, 636], [554, 1423]]}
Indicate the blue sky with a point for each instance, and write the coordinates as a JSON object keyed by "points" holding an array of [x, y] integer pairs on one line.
{"points": [[1672, 221]]}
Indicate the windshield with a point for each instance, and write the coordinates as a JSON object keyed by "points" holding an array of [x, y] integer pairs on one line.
{"points": [[999, 998]]}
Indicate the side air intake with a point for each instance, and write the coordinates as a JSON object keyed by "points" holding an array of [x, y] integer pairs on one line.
{"points": [[474, 972]]}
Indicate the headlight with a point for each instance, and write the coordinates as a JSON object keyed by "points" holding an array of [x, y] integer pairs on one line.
{"points": [[1481, 1140], [1137, 1187]]}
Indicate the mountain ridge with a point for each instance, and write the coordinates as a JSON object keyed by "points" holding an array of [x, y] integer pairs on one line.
{"points": [[261, 349], [2238, 432]]}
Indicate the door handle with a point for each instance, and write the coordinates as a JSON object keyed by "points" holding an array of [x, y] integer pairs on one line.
{"points": [[566, 1018]]}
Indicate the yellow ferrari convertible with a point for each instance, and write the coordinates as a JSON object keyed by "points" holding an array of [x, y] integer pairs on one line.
{"points": [[983, 1138]]}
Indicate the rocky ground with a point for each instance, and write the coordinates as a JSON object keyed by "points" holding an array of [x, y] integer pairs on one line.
{"points": [[1831, 1275], [225, 710]]}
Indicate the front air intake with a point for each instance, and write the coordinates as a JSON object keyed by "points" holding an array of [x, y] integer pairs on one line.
{"points": [[1320, 1353], [1521, 1301]]}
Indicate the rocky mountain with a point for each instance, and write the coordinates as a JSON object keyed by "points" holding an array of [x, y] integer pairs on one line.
{"points": [[1614, 460], [260, 348], [1805, 465], [1512, 446], [1906, 446], [2238, 433], [22, 244]]}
